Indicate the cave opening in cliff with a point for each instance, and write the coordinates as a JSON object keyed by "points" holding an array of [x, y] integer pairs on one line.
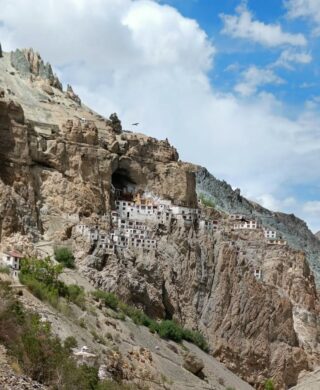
{"points": [[123, 185]]}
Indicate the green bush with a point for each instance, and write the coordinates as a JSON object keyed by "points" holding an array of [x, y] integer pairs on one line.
{"points": [[196, 338], [166, 328], [64, 256], [268, 384], [170, 330], [4, 270], [69, 343], [76, 295], [109, 299], [206, 201], [41, 277]]}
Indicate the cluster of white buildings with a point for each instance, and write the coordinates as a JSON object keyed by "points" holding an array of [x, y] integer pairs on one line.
{"points": [[134, 223], [161, 211]]}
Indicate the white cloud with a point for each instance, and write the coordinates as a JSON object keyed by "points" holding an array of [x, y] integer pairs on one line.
{"points": [[151, 65], [253, 78], [243, 25], [306, 9], [272, 203], [312, 207], [290, 56]]}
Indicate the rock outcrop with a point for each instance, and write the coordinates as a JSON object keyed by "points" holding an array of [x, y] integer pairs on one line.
{"points": [[71, 95], [30, 64]]}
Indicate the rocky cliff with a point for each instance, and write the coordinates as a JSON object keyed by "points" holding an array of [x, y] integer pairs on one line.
{"points": [[292, 228], [60, 163]]}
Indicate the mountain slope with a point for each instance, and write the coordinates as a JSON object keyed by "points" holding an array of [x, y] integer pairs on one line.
{"points": [[63, 168]]}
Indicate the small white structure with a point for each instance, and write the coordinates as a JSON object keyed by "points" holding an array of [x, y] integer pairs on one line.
{"points": [[83, 356], [208, 225], [237, 217], [258, 274], [12, 259], [246, 224], [278, 241], [271, 234]]}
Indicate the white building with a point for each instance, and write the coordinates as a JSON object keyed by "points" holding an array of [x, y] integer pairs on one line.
{"points": [[272, 234], [258, 274], [208, 225], [246, 224], [12, 260]]}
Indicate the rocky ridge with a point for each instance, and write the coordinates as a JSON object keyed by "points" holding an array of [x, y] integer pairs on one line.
{"points": [[59, 162]]}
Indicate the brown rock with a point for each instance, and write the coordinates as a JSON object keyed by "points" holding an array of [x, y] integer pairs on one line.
{"points": [[193, 363]]}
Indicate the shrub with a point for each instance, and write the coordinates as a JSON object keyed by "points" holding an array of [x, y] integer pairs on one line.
{"points": [[41, 277], [268, 384], [39, 353], [109, 299], [206, 201], [69, 343], [4, 270], [170, 330], [166, 329], [76, 295], [64, 256], [196, 338]]}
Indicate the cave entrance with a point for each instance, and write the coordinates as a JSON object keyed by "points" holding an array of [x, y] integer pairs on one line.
{"points": [[122, 184]]}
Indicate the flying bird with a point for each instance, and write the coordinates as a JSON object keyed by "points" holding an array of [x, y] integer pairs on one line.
{"points": [[134, 124]]}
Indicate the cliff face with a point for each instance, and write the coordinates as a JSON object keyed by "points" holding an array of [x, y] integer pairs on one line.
{"points": [[293, 229], [59, 165]]}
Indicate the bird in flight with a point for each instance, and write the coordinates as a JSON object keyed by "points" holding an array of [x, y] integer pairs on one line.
{"points": [[135, 124]]}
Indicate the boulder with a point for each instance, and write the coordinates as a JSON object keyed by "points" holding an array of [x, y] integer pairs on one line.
{"points": [[193, 363]]}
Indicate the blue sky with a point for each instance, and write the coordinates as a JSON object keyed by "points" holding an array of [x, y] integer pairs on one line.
{"points": [[299, 84], [233, 84]]}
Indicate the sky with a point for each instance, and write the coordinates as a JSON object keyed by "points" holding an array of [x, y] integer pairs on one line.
{"points": [[233, 84]]}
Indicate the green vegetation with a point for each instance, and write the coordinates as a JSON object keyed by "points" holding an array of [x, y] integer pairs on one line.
{"points": [[166, 329], [206, 201], [64, 256], [69, 343], [41, 276], [4, 270], [268, 385], [40, 354], [109, 299]]}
